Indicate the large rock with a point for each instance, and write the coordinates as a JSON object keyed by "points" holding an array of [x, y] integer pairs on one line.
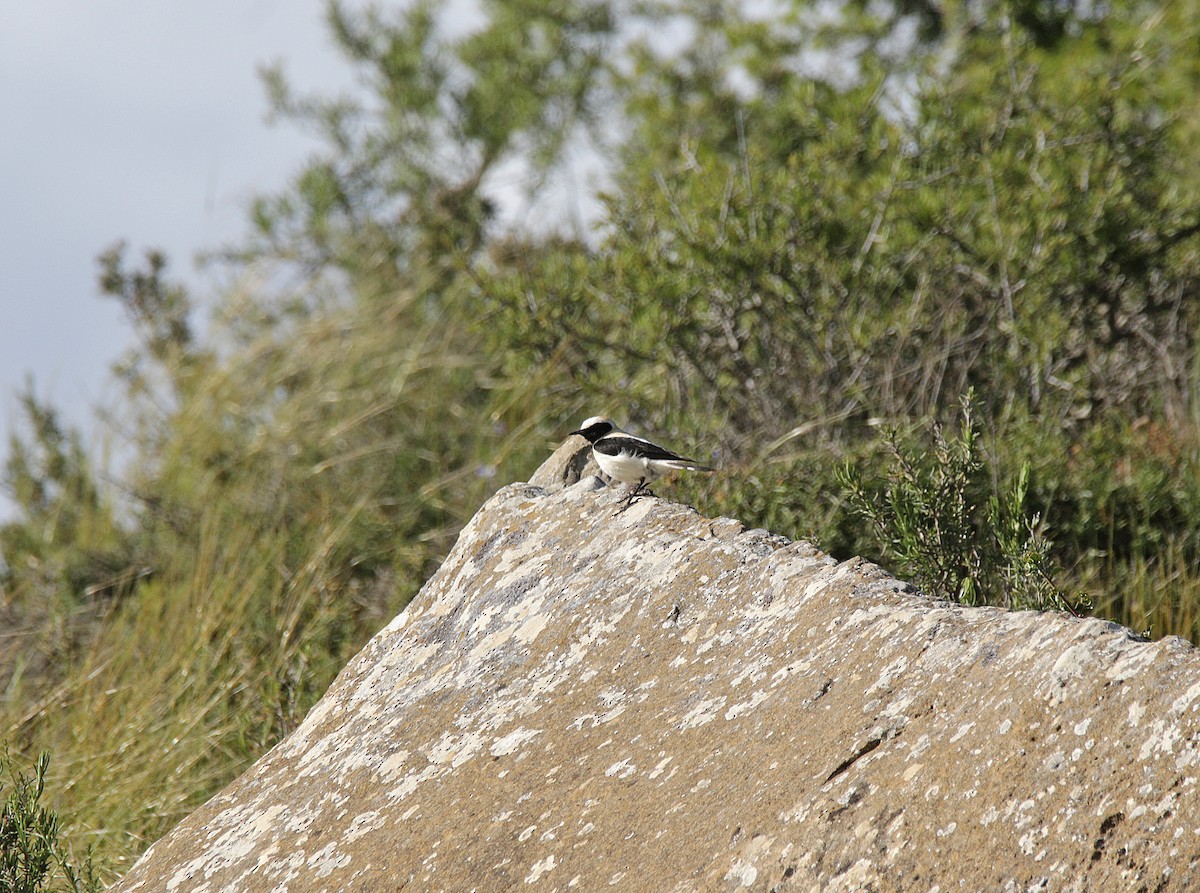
{"points": [[583, 698]]}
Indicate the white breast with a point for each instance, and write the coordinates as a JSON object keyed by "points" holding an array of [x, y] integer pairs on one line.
{"points": [[626, 468]]}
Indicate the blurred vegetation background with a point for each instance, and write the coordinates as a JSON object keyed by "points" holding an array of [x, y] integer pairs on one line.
{"points": [[921, 277]]}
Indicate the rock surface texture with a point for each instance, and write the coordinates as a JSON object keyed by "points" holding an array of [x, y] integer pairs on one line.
{"points": [[583, 699]]}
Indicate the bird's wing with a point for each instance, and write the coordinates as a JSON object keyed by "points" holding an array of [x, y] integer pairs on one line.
{"points": [[616, 444]]}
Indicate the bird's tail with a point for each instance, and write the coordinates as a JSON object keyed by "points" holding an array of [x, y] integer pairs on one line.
{"points": [[688, 465]]}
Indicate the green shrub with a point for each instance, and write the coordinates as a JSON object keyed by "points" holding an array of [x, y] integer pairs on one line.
{"points": [[33, 857], [947, 526]]}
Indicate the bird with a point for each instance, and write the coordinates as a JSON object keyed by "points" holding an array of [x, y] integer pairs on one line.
{"points": [[631, 459]]}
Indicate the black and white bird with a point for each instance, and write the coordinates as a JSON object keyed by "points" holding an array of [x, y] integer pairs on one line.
{"points": [[631, 459]]}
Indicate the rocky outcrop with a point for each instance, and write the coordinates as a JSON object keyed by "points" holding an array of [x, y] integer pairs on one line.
{"points": [[584, 699]]}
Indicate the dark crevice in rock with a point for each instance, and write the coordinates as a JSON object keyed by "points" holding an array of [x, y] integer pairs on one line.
{"points": [[858, 755]]}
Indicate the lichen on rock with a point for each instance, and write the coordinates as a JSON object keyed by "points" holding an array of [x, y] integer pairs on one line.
{"points": [[583, 698]]}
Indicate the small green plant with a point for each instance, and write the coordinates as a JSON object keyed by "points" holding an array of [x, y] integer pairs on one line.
{"points": [[948, 527], [32, 857]]}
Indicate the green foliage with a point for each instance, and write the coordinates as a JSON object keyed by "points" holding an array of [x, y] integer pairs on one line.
{"points": [[191, 676], [949, 528], [804, 252], [32, 857], [402, 182], [1127, 489], [61, 557], [157, 310], [1156, 592], [49, 480]]}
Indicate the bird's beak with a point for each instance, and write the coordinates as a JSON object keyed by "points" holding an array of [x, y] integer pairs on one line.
{"points": [[580, 433]]}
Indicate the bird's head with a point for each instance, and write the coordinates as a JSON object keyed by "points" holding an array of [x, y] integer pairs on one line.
{"points": [[596, 427]]}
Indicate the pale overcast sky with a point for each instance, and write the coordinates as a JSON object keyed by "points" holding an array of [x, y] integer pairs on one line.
{"points": [[138, 120], [144, 121]]}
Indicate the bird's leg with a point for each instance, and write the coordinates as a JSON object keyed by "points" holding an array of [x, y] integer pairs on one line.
{"points": [[640, 490]]}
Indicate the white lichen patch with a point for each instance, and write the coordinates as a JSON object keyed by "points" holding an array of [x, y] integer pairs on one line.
{"points": [[610, 697], [888, 675], [483, 620], [704, 712], [390, 767], [746, 706], [238, 842], [922, 744], [364, 823], [659, 767], [754, 671], [1163, 737], [413, 780], [592, 720], [781, 675], [489, 645], [327, 860], [609, 715], [1187, 699], [531, 627], [454, 750], [540, 868], [392, 674], [962, 731], [1071, 665], [525, 558], [1133, 661], [744, 874], [621, 769], [397, 624], [512, 742]]}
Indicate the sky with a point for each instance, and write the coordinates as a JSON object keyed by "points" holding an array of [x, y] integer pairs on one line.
{"points": [[132, 120]]}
